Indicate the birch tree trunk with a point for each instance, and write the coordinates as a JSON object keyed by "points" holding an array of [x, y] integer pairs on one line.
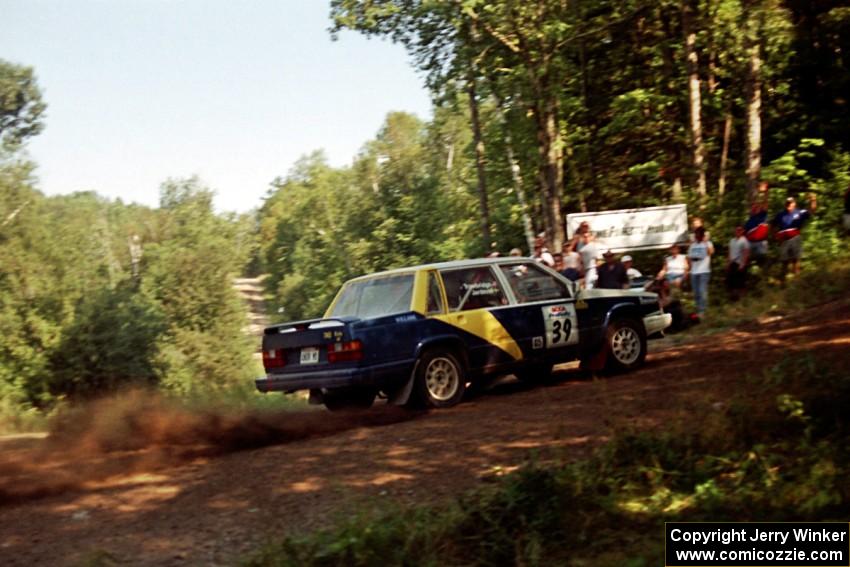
{"points": [[753, 94], [479, 162], [516, 177], [516, 174], [694, 98], [551, 171], [724, 154]]}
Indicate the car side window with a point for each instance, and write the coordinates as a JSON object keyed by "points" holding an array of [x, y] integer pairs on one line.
{"points": [[435, 298], [530, 283], [472, 288]]}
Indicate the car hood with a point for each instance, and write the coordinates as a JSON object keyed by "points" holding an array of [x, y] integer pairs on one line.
{"points": [[645, 296]]}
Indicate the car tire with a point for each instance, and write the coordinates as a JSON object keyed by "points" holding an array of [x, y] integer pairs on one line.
{"points": [[535, 374], [625, 345], [440, 380], [349, 399]]}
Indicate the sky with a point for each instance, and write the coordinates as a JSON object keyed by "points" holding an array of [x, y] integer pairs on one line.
{"points": [[139, 91]]}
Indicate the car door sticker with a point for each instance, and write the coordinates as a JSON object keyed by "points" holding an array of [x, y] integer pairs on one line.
{"points": [[561, 325]]}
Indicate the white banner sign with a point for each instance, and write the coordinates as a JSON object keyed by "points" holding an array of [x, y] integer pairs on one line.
{"points": [[635, 229]]}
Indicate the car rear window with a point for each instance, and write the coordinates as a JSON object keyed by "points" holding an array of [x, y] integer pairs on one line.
{"points": [[375, 297]]}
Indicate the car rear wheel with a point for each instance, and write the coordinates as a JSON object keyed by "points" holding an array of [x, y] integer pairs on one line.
{"points": [[440, 379], [625, 345], [349, 399]]}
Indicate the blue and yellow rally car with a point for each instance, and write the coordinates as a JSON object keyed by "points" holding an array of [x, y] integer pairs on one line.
{"points": [[421, 335]]}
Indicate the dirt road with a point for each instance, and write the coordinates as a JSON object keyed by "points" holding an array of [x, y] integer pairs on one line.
{"points": [[204, 505]]}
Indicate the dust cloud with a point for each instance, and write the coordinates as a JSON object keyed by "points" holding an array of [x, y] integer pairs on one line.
{"points": [[141, 431]]}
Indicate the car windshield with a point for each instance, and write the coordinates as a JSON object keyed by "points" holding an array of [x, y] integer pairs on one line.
{"points": [[375, 297]]}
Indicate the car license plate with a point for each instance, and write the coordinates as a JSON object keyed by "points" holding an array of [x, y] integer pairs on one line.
{"points": [[309, 355]]}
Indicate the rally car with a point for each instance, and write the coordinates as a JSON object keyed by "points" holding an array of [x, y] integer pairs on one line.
{"points": [[421, 335]]}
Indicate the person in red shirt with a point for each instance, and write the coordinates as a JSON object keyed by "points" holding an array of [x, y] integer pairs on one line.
{"points": [[757, 228]]}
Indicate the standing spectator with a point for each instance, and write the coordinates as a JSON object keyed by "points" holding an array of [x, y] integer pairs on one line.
{"points": [[611, 274], [788, 225], [756, 227], [573, 269], [516, 252], [590, 250], [847, 209], [699, 258], [576, 242], [541, 253], [631, 272], [696, 223], [736, 264]]}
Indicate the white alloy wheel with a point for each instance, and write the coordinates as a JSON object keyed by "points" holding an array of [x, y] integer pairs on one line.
{"points": [[626, 345], [442, 378]]}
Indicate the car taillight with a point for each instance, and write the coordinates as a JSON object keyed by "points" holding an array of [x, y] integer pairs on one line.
{"points": [[345, 352], [273, 358]]}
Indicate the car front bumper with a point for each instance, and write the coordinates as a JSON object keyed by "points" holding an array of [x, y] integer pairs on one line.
{"points": [[656, 323]]}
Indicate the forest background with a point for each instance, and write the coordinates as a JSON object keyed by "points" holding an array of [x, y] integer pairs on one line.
{"points": [[540, 109]]}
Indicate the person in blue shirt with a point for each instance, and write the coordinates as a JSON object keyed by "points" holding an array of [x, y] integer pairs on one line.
{"points": [[788, 225]]}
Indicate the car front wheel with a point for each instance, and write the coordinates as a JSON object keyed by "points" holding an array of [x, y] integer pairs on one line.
{"points": [[626, 345]]}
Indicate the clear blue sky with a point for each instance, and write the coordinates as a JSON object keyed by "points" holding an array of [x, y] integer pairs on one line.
{"points": [[231, 91]]}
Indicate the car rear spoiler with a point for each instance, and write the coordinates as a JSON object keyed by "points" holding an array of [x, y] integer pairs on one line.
{"points": [[319, 323]]}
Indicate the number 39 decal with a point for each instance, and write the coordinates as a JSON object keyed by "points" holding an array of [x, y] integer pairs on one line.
{"points": [[561, 325]]}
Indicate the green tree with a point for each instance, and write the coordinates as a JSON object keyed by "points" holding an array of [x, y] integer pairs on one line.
{"points": [[111, 342], [21, 107], [188, 275]]}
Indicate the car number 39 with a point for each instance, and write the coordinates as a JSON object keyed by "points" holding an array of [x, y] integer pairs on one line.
{"points": [[560, 322]]}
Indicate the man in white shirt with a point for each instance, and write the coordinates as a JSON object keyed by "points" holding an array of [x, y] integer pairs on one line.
{"points": [[737, 262], [631, 272], [699, 259], [591, 251]]}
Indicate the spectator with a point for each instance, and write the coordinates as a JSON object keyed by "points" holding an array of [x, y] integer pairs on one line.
{"points": [[580, 238], [572, 262], [673, 272], [590, 250], [612, 274], [756, 227], [699, 260], [559, 262], [737, 263], [631, 272], [541, 253], [788, 225], [696, 223], [516, 252]]}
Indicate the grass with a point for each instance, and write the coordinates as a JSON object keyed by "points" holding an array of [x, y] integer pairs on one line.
{"points": [[775, 450], [821, 280]]}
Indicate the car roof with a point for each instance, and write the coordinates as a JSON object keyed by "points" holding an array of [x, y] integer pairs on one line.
{"points": [[448, 266]]}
